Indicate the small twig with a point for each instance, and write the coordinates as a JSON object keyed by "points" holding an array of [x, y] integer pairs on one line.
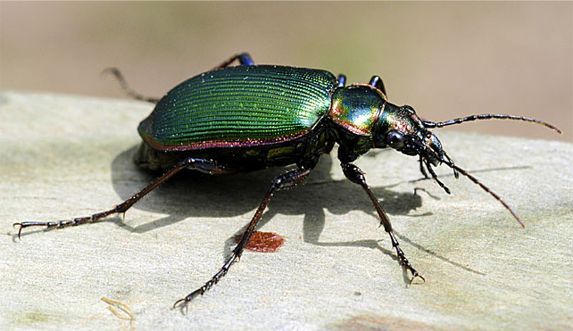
{"points": [[116, 306]]}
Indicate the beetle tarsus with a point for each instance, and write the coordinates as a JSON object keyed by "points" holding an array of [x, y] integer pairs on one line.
{"points": [[404, 262], [415, 275], [64, 223], [184, 301], [49, 225]]}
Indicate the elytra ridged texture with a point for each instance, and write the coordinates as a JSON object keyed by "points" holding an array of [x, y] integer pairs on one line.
{"points": [[239, 106]]}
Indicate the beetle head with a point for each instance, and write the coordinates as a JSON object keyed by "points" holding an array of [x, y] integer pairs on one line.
{"points": [[401, 129]]}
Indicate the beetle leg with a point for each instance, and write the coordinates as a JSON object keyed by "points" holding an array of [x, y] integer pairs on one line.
{"points": [[243, 58], [203, 165], [125, 87], [377, 82], [341, 80], [422, 170], [286, 180], [355, 175]]}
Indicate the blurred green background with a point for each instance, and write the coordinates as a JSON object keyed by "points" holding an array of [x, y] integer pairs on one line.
{"points": [[444, 59]]}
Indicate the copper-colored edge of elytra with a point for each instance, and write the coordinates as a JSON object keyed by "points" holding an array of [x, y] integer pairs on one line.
{"points": [[221, 143]]}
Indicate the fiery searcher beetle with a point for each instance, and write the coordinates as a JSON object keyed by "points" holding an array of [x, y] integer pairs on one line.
{"points": [[249, 117]]}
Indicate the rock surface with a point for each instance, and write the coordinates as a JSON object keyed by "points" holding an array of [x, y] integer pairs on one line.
{"points": [[65, 156]]}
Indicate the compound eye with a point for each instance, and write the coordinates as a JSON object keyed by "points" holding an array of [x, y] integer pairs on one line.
{"points": [[395, 139]]}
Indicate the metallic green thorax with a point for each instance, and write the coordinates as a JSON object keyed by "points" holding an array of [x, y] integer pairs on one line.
{"points": [[239, 106], [355, 111], [356, 108]]}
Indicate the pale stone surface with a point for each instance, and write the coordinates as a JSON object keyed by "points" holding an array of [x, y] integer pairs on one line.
{"points": [[67, 156]]}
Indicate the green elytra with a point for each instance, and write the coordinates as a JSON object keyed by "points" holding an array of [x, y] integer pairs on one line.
{"points": [[248, 117], [239, 106]]}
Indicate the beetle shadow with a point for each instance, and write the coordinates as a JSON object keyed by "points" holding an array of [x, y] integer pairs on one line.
{"points": [[192, 194]]}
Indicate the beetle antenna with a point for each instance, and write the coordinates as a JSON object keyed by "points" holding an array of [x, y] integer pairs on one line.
{"points": [[125, 87], [487, 189], [430, 124]]}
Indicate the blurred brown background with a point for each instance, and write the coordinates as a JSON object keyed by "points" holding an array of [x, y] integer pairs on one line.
{"points": [[444, 59]]}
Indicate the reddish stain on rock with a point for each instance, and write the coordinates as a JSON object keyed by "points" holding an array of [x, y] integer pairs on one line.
{"points": [[367, 322], [263, 242]]}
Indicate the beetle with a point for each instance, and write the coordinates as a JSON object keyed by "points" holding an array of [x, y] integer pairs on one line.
{"points": [[248, 117]]}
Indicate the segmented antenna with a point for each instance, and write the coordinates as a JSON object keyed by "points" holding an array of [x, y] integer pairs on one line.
{"points": [[485, 188], [430, 124]]}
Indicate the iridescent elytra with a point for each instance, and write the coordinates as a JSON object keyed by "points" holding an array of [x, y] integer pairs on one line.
{"points": [[248, 117]]}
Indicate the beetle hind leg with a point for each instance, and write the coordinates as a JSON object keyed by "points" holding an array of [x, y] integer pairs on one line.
{"points": [[202, 165], [286, 180], [125, 86]]}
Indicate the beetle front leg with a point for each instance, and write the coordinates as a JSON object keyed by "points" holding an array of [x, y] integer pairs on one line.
{"points": [[203, 165], [355, 175], [286, 180], [422, 170]]}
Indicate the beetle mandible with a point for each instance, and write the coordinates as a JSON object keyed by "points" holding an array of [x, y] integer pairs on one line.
{"points": [[248, 117]]}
